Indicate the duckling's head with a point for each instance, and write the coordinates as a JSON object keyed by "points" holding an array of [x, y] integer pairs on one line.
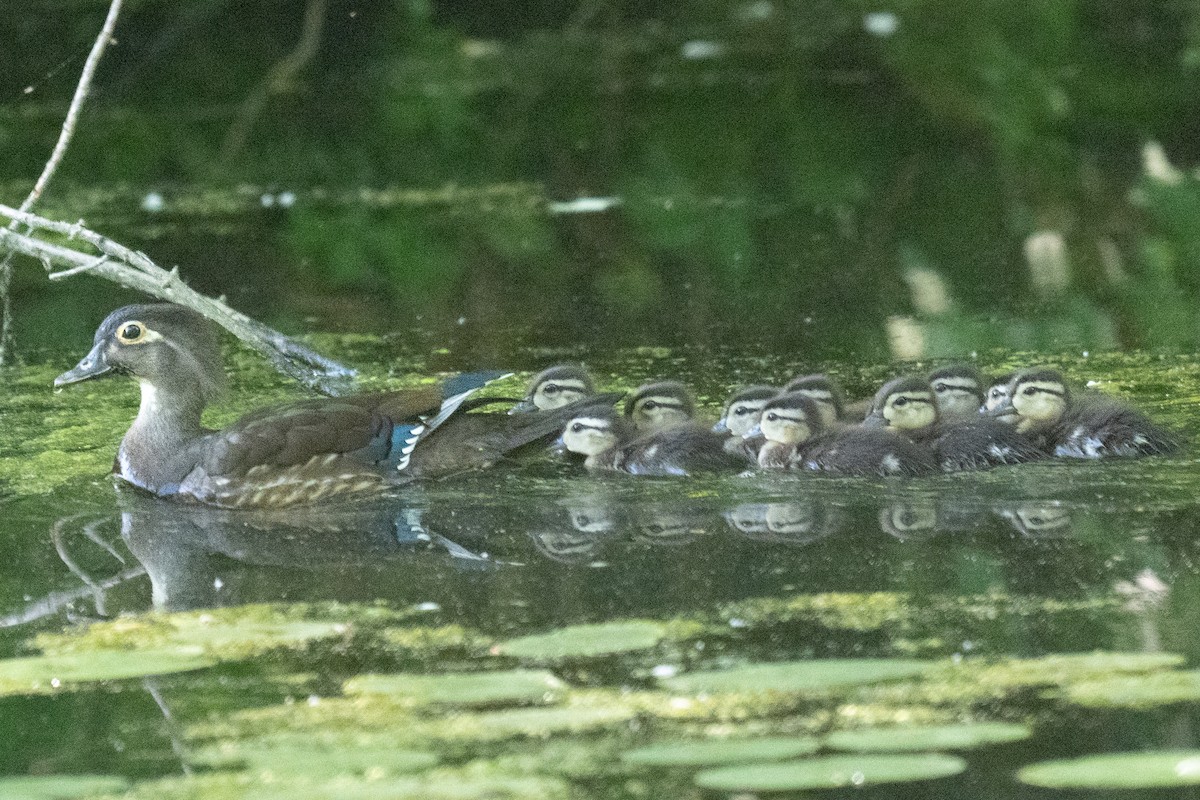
{"points": [[556, 387], [905, 404], [997, 392], [165, 346], [821, 388], [743, 409], [790, 419], [660, 405], [1037, 398], [596, 431], [957, 390]]}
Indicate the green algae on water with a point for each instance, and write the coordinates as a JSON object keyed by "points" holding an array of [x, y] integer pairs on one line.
{"points": [[797, 677], [476, 689], [833, 772], [1136, 691], [708, 753]]}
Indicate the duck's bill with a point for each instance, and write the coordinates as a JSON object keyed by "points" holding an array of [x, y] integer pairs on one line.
{"points": [[523, 407], [93, 365]]}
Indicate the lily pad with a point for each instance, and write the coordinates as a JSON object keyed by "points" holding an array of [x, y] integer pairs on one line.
{"points": [[60, 787], [831, 773], [585, 641], [1117, 771], [50, 673], [797, 677], [721, 751], [299, 754], [511, 687], [1137, 691], [927, 737]]}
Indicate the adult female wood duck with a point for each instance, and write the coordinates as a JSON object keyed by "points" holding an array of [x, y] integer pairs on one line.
{"points": [[1040, 405], [296, 453], [612, 443], [556, 387], [797, 439], [655, 406], [741, 414], [907, 406]]}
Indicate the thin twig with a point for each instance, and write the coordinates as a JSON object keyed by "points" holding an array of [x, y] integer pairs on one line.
{"points": [[66, 273], [60, 149]]}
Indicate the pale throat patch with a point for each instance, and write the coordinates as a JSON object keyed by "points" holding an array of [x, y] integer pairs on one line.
{"points": [[739, 424], [786, 430]]}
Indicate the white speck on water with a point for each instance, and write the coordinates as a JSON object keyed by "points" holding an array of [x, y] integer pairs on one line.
{"points": [[267, 200], [968, 646], [858, 779], [757, 11], [881, 23], [287, 199], [55, 683], [153, 203], [218, 584], [737, 622], [665, 671], [1188, 767], [462, 320], [699, 50], [429, 605], [1085, 353], [1090, 384], [313, 700]]}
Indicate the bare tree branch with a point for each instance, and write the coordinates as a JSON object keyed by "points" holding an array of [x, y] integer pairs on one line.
{"points": [[60, 149], [135, 270]]}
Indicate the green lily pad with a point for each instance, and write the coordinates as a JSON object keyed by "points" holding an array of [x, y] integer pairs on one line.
{"points": [[1117, 771], [927, 737], [60, 787], [721, 751], [831, 773], [585, 641], [317, 757], [51, 673], [511, 687], [1137, 691], [796, 677]]}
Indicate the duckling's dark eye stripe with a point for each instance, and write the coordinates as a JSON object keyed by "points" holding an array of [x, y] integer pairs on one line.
{"points": [[1055, 392], [661, 404], [579, 427], [918, 399]]}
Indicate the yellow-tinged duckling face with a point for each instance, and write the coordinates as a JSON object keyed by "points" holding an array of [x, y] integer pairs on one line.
{"points": [[1039, 401], [824, 391], [957, 392], [827, 408], [559, 392], [908, 408], [660, 405], [590, 436], [791, 419]]}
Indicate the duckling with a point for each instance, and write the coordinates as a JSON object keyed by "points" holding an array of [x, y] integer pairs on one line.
{"points": [[1040, 405], [612, 443], [796, 439], [957, 391], [742, 412], [660, 405], [828, 395], [556, 387], [997, 391], [301, 452], [907, 406]]}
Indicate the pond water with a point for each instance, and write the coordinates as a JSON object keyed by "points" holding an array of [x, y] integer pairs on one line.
{"points": [[1059, 599]]}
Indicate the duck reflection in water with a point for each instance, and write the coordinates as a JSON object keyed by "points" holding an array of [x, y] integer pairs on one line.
{"points": [[1037, 519], [576, 527], [795, 522]]}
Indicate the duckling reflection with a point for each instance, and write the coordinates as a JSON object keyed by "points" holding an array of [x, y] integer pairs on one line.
{"points": [[1037, 519], [913, 520], [576, 526], [670, 524]]}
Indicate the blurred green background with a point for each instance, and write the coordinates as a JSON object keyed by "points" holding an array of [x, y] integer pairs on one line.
{"points": [[904, 177]]}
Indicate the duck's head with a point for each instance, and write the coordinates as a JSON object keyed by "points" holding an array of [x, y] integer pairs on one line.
{"points": [[660, 405], [957, 390], [595, 432], [556, 387], [743, 408], [905, 404], [163, 345], [789, 419], [997, 392], [1037, 398], [821, 388]]}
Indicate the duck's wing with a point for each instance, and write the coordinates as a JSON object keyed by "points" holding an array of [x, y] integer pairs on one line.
{"points": [[983, 444], [869, 451], [1104, 428]]}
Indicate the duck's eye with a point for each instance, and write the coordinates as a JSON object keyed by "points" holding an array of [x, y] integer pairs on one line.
{"points": [[772, 416], [577, 427], [901, 402], [649, 405], [996, 393], [131, 332], [741, 411], [1030, 390], [550, 388], [941, 388]]}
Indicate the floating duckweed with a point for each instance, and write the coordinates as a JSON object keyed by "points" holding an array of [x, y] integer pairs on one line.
{"points": [[929, 737], [511, 687], [831, 773], [1117, 771], [528, 722], [433, 642], [721, 751], [60, 787], [835, 610], [1137, 691], [585, 641], [317, 756], [797, 677], [50, 673]]}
